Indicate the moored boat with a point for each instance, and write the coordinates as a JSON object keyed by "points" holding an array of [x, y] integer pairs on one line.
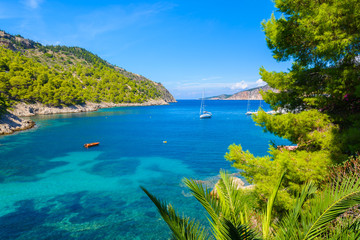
{"points": [[87, 145], [203, 112]]}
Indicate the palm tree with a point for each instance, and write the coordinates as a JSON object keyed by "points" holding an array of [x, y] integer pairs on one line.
{"points": [[312, 216]]}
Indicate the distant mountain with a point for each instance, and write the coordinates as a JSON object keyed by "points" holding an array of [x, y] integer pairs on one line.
{"points": [[220, 97], [249, 94], [63, 76]]}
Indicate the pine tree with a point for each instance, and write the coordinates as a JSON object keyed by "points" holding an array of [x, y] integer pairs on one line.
{"points": [[320, 93]]}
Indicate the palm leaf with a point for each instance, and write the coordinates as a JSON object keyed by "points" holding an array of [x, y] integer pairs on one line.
{"points": [[355, 227], [229, 231], [228, 204], [203, 195], [289, 226], [182, 228], [266, 223], [346, 194], [233, 202], [347, 230]]}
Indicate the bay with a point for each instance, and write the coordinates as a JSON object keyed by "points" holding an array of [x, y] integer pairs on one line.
{"points": [[51, 187]]}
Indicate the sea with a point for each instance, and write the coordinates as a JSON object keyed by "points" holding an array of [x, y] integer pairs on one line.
{"points": [[51, 187]]}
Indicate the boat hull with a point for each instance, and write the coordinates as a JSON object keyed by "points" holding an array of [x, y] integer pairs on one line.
{"points": [[87, 145], [205, 115]]}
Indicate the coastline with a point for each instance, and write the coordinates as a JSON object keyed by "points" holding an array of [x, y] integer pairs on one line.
{"points": [[11, 122]]}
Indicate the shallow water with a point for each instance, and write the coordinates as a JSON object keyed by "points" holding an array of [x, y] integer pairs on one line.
{"points": [[51, 187]]}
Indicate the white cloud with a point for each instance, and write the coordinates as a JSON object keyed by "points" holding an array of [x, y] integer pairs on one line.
{"points": [[191, 89], [33, 3], [211, 78], [239, 85], [188, 86], [260, 82]]}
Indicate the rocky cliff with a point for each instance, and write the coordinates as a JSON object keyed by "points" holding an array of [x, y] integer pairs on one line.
{"points": [[16, 42], [250, 94], [10, 123]]}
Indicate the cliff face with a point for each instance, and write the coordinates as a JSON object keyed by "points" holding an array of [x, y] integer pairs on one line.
{"points": [[250, 94], [15, 42], [10, 123], [165, 94]]}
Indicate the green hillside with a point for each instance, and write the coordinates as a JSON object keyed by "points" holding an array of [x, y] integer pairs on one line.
{"points": [[60, 75]]}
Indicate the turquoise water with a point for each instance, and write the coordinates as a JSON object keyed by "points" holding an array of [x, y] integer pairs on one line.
{"points": [[51, 187]]}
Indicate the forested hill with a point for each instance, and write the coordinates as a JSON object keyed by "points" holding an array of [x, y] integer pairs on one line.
{"points": [[60, 75]]}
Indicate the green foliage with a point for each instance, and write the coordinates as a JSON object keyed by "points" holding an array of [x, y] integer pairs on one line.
{"points": [[350, 166], [267, 216], [312, 216], [319, 96], [182, 228], [80, 53], [325, 208], [311, 130], [323, 40], [23, 78], [315, 135], [228, 211], [301, 166]]}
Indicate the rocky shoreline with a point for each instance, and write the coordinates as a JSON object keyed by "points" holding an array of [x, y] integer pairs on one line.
{"points": [[11, 121]]}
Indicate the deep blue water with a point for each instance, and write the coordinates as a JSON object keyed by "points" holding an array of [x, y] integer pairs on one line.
{"points": [[51, 187]]}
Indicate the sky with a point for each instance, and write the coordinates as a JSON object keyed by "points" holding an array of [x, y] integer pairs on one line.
{"points": [[190, 46]]}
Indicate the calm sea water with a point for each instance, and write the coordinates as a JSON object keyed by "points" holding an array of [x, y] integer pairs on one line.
{"points": [[51, 187]]}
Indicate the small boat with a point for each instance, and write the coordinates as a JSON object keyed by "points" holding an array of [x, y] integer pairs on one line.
{"points": [[87, 145], [203, 113], [206, 115], [272, 112], [251, 112]]}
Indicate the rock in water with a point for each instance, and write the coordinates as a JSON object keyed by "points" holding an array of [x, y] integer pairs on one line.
{"points": [[10, 123], [235, 180]]}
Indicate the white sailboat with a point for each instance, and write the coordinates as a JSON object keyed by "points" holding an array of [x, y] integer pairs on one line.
{"points": [[248, 107], [203, 112]]}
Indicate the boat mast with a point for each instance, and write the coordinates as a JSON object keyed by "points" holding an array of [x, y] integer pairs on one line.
{"points": [[248, 106], [260, 103], [202, 103]]}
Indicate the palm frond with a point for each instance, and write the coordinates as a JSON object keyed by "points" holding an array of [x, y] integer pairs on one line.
{"points": [[182, 228], [232, 200], [347, 230], [289, 226], [345, 195], [266, 223], [355, 227], [203, 195], [229, 231]]}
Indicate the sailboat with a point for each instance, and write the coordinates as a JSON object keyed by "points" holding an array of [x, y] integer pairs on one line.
{"points": [[248, 107], [203, 112]]}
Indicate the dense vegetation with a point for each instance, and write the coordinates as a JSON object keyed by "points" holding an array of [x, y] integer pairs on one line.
{"points": [[318, 193], [326, 214], [321, 93], [59, 75]]}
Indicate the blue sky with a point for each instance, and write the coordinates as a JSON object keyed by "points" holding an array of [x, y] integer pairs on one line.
{"points": [[186, 45]]}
